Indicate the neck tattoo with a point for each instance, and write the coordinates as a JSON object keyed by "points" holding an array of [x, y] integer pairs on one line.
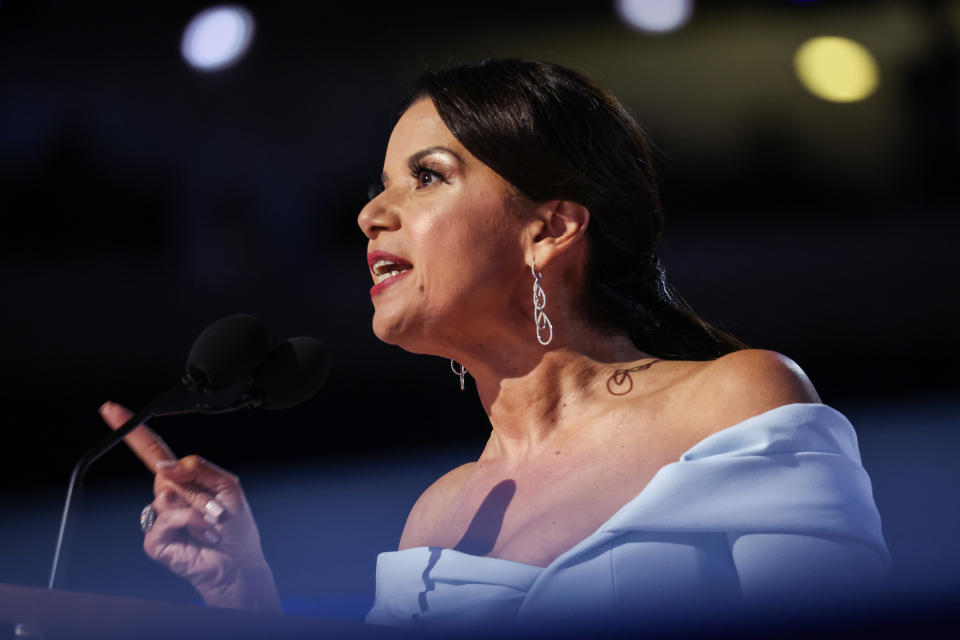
{"points": [[620, 383]]}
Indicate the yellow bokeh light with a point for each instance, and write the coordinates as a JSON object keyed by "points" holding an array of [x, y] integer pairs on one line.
{"points": [[836, 69]]}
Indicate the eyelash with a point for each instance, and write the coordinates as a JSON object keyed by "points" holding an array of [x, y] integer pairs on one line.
{"points": [[418, 170]]}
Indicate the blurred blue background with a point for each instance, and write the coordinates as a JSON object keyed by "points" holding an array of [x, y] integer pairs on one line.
{"points": [[142, 199]]}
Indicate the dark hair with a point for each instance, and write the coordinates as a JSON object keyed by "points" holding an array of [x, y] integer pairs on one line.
{"points": [[552, 133]]}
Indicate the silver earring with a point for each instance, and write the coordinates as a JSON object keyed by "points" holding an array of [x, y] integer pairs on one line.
{"points": [[460, 372], [539, 302]]}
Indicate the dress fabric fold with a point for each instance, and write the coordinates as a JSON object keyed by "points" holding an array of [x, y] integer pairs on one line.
{"points": [[772, 510]]}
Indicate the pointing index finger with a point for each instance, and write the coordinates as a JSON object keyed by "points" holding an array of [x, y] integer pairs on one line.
{"points": [[146, 444]]}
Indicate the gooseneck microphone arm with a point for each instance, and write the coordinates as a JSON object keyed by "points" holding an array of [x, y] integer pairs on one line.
{"points": [[187, 396], [228, 368], [176, 392], [221, 358]]}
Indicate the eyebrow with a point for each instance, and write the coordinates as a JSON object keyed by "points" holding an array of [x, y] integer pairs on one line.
{"points": [[423, 153]]}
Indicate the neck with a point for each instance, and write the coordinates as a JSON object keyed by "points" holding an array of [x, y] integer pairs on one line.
{"points": [[533, 395]]}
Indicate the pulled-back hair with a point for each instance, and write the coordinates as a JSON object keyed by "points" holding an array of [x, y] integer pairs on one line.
{"points": [[553, 134]]}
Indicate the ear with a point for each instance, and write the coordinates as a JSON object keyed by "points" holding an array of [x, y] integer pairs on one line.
{"points": [[557, 226]]}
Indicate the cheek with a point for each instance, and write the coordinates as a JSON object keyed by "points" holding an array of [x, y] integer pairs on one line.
{"points": [[469, 253], [478, 286]]}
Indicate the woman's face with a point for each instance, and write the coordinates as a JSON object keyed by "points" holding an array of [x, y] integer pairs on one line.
{"points": [[445, 254]]}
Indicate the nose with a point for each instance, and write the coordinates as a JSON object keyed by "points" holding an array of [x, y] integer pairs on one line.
{"points": [[377, 216]]}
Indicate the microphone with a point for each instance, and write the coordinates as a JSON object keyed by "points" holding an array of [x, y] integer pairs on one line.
{"points": [[222, 357], [292, 372], [224, 354]]}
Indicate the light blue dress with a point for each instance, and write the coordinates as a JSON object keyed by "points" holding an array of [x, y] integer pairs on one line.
{"points": [[772, 510]]}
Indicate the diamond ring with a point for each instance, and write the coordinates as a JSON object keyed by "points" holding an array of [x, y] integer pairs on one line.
{"points": [[147, 517]]}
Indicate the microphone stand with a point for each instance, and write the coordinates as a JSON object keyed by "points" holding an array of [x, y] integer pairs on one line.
{"points": [[187, 396], [88, 458]]}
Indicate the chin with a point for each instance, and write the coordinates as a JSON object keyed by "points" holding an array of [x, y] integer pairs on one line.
{"points": [[389, 329], [401, 333], [383, 330]]}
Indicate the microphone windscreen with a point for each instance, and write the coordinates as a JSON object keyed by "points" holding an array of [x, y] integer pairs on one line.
{"points": [[227, 352], [292, 372]]}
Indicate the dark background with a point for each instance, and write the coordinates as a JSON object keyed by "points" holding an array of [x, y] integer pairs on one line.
{"points": [[140, 200]]}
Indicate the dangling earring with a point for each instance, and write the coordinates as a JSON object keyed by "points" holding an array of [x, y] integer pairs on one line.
{"points": [[462, 371], [540, 318]]}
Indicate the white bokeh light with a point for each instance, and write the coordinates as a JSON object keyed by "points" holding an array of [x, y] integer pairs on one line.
{"points": [[217, 37], [655, 16]]}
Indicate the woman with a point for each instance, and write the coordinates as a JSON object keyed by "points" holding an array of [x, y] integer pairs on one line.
{"points": [[638, 457]]}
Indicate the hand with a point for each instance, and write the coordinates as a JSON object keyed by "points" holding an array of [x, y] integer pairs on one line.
{"points": [[204, 531]]}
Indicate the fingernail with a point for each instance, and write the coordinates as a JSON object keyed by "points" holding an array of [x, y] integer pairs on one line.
{"points": [[213, 511], [212, 536], [164, 464], [106, 406]]}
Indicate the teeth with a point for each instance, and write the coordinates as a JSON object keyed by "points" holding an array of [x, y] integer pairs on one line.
{"points": [[384, 266], [384, 276]]}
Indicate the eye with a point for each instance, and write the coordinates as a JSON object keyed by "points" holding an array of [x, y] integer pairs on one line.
{"points": [[425, 176]]}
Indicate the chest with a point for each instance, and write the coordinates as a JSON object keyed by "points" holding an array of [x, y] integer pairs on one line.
{"points": [[536, 513]]}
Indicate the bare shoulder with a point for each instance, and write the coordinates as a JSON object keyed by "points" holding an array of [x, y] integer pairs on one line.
{"points": [[433, 505], [749, 382]]}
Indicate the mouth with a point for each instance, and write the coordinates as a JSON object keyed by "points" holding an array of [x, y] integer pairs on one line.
{"points": [[386, 269]]}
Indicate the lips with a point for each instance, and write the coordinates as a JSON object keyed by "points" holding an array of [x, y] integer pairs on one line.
{"points": [[386, 269]]}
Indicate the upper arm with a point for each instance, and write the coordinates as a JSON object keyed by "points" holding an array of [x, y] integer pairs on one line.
{"points": [[749, 382], [432, 506]]}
